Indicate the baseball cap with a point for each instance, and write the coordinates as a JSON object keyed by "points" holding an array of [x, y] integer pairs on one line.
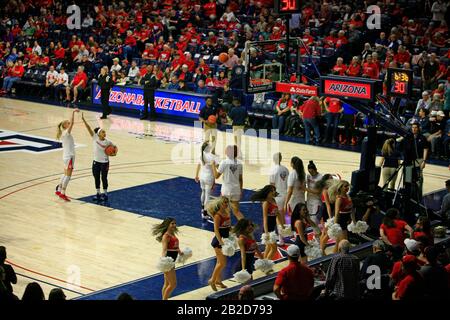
{"points": [[293, 251], [411, 244]]}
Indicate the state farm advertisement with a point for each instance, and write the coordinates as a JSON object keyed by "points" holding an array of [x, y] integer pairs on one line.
{"points": [[296, 88]]}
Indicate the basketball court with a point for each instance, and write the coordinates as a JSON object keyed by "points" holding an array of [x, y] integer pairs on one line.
{"points": [[97, 251]]}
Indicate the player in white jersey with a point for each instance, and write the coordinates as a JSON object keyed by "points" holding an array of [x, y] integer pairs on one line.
{"points": [[313, 201], [231, 169], [100, 165], [205, 175], [278, 178], [296, 185], [64, 132]]}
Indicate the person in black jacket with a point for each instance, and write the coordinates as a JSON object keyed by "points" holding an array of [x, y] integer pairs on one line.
{"points": [[150, 83], [105, 84], [8, 275]]}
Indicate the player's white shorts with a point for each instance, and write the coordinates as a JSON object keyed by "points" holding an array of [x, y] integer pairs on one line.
{"points": [[206, 183], [234, 197], [69, 162]]}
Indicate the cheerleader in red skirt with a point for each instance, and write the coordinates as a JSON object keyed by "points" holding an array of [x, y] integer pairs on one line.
{"points": [[166, 234]]}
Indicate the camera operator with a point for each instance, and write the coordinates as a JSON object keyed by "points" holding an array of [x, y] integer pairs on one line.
{"points": [[415, 153]]}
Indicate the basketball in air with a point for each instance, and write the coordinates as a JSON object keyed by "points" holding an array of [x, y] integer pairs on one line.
{"points": [[223, 57], [111, 150], [212, 119]]}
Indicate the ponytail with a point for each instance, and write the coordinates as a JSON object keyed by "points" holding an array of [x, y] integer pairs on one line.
{"points": [[59, 130], [204, 146], [297, 164]]}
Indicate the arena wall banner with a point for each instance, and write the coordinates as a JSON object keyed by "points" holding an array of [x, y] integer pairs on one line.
{"points": [[166, 102], [296, 88]]}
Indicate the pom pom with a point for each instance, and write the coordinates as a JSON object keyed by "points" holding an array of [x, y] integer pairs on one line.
{"points": [[228, 248], [358, 227], [234, 240], [265, 265], [273, 237], [242, 276], [334, 231], [269, 238], [329, 222], [285, 230], [165, 264], [313, 250], [182, 258]]}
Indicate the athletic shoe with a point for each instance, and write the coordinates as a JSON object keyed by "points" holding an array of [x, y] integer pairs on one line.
{"points": [[103, 197], [56, 191], [64, 197], [97, 197]]}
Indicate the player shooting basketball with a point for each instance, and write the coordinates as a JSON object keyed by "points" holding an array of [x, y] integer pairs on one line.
{"points": [[100, 165]]}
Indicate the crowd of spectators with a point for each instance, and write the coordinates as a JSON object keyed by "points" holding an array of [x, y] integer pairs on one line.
{"points": [[183, 39]]}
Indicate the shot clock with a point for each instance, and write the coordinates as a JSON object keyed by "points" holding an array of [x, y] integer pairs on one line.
{"points": [[287, 6], [399, 82]]}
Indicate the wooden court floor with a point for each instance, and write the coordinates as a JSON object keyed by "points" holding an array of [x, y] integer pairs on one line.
{"points": [[86, 247]]}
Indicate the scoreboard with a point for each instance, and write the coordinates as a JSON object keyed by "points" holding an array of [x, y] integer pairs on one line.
{"points": [[399, 82], [287, 6]]}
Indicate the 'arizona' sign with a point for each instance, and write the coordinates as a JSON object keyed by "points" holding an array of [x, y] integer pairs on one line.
{"points": [[350, 88]]}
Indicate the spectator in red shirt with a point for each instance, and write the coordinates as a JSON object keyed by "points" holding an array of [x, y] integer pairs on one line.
{"points": [[221, 80], [310, 111], [342, 39], [59, 52], [370, 69], [334, 109], [16, 74], [165, 54], [177, 62], [182, 43], [78, 83], [189, 62], [354, 69], [392, 230], [331, 40], [340, 68], [402, 55], [210, 9], [295, 281], [412, 286], [184, 74], [130, 44], [150, 52], [283, 109]]}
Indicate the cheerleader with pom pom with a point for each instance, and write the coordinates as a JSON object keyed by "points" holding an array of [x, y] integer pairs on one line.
{"points": [[219, 210], [325, 211], [278, 178], [270, 215], [166, 234], [247, 243], [300, 220], [343, 208]]}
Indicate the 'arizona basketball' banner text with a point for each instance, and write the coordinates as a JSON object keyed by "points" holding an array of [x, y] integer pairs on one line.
{"points": [[166, 102], [361, 89]]}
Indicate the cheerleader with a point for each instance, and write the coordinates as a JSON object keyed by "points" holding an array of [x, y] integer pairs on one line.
{"points": [[313, 194], [344, 212], [296, 185], [300, 221], [232, 185], [270, 215], [166, 234], [220, 211], [100, 165], [278, 178], [206, 179], [325, 210], [247, 243], [64, 133]]}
